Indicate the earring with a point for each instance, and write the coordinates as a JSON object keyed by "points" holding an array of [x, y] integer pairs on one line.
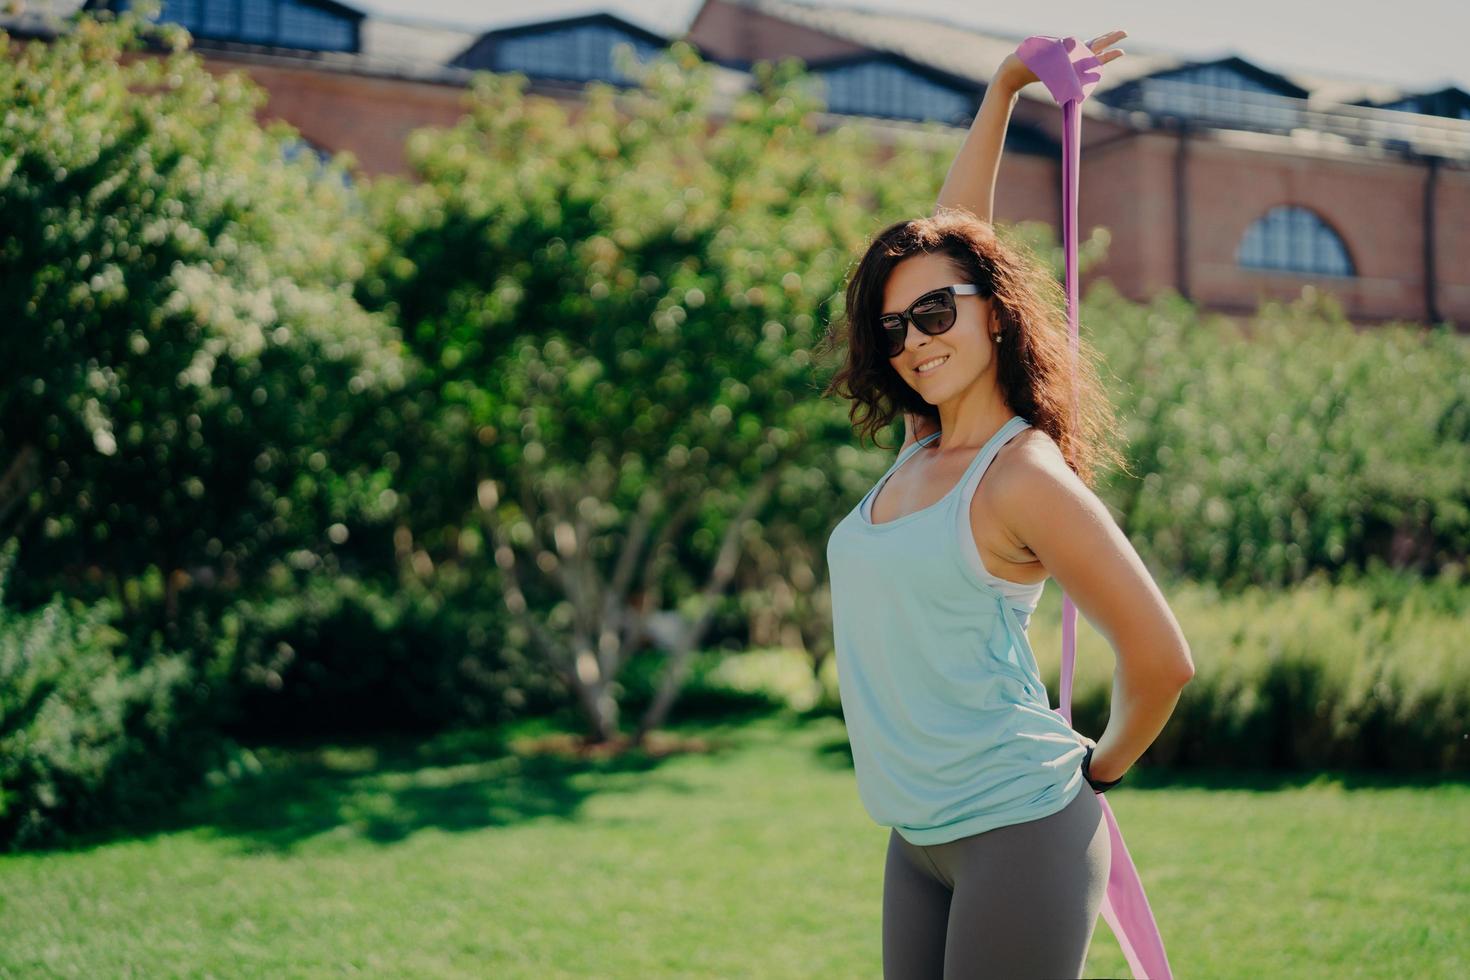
{"points": [[997, 338]]}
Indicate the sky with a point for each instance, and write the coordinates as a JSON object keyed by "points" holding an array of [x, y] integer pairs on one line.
{"points": [[1418, 44]]}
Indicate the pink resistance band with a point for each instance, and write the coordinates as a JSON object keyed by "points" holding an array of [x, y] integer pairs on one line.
{"points": [[1070, 72]]}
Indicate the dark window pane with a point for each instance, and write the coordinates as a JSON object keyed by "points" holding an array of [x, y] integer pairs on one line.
{"points": [[258, 20], [309, 27], [288, 23], [878, 89], [576, 54], [221, 18]]}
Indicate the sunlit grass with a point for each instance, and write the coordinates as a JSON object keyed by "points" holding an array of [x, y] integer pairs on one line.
{"points": [[465, 857]]}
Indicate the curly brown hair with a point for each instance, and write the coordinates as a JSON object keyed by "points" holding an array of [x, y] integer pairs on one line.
{"points": [[1035, 368]]}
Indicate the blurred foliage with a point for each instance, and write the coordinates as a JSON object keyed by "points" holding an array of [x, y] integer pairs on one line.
{"points": [[189, 419], [1368, 672], [197, 388], [88, 737], [1291, 444], [614, 307], [343, 656]]}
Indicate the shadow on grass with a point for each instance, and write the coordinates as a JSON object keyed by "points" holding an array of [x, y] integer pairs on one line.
{"points": [[385, 788], [388, 787]]}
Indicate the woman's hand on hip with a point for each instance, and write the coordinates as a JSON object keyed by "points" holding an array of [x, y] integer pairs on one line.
{"points": [[1101, 768]]}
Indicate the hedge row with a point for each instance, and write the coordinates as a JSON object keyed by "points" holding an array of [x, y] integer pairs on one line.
{"points": [[1362, 674]]}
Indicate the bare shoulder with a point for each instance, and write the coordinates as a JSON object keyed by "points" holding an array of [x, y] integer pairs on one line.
{"points": [[1049, 510], [1031, 476], [1031, 456], [1027, 471]]}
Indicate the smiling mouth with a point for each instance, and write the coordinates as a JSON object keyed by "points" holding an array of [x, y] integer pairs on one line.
{"points": [[934, 366]]}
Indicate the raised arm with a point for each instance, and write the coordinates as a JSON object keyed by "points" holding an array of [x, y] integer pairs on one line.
{"points": [[970, 183]]}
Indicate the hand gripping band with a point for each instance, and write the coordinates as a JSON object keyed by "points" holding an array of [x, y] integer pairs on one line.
{"points": [[1070, 71]]}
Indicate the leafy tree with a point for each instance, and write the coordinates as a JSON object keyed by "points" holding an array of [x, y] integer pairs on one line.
{"points": [[618, 310], [188, 383]]}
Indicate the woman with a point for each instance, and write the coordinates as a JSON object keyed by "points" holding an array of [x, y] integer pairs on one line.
{"points": [[997, 859]]}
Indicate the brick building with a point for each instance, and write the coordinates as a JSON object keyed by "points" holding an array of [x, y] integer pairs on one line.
{"points": [[1222, 180]]}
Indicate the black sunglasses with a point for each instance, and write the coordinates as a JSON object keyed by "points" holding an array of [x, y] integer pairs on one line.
{"points": [[933, 313]]}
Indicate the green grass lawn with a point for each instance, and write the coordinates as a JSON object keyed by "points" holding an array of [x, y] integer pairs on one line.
{"points": [[465, 857]]}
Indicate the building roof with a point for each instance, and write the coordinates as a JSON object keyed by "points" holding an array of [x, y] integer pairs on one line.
{"points": [[958, 51], [406, 48], [435, 31], [400, 39], [974, 54]]}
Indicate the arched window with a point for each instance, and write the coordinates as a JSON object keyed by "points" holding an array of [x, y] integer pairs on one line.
{"points": [[1288, 238], [877, 88]]}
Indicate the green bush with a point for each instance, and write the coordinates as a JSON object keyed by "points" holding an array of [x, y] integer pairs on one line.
{"points": [[1291, 444], [87, 738], [343, 656], [1368, 673]]}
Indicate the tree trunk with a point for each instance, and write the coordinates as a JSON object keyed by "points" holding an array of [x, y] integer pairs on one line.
{"points": [[720, 576]]}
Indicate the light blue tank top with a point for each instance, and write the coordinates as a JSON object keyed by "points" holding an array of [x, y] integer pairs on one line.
{"points": [[951, 727]]}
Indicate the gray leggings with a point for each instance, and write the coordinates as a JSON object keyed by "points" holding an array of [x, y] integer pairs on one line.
{"points": [[1014, 902]]}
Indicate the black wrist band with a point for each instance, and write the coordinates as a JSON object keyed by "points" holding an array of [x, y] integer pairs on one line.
{"points": [[1097, 787]]}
